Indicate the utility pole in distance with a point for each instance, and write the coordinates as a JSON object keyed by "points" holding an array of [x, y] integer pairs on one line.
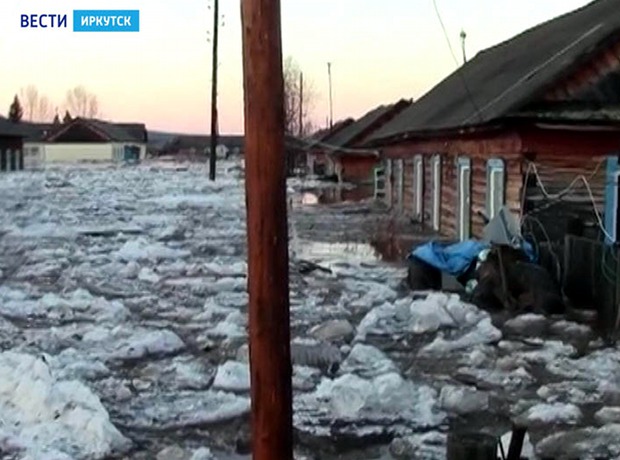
{"points": [[213, 153], [463, 38], [331, 114], [301, 104], [267, 229]]}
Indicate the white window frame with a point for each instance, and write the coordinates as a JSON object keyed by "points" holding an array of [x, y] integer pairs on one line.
{"points": [[418, 187], [400, 177], [379, 178], [436, 175], [463, 199], [495, 168], [389, 178]]}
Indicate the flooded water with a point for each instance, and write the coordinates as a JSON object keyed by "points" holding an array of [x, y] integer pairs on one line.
{"points": [[144, 332], [344, 224], [333, 193], [354, 252]]}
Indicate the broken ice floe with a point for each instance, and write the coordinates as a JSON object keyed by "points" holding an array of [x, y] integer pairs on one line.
{"points": [[355, 407], [172, 410], [586, 443], [140, 249], [436, 312], [369, 398], [42, 415], [232, 376]]}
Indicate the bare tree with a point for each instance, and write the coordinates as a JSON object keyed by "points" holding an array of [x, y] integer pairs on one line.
{"points": [[37, 107], [81, 103], [298, 99], [44, 110], [30, 101]]}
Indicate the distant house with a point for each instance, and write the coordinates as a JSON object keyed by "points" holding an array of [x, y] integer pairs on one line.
{"points": [[296, 150], [200, 146], [11, 146], [353, 163], [318, 161], [541, 108], [95, 140], [35, 142]]}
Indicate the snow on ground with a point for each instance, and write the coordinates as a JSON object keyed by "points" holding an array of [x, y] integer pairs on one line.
{"points": [[123, 325]]}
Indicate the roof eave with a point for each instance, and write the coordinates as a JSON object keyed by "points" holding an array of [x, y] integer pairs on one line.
{"points": [[442, 132]]}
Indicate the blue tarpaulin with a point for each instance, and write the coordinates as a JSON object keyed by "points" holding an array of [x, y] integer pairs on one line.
{"points": [[450, 258], [456, 258]]}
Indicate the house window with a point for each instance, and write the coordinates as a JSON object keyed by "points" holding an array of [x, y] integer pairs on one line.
{"points": [[463, 198], [400, 181], [389, 181], [418, 188], [379, 174], [436, 174], [496, 184]]}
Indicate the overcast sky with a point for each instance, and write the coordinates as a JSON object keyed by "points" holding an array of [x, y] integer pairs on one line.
{"points": [[380, 50]]}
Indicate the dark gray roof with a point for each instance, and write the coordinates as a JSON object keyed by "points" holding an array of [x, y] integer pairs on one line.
{"points": [[365, 125], [329, 133], [119, 132], [10, 129], [323, 134], [38, 132], [198, 142], [114, 132], [507, 77]]}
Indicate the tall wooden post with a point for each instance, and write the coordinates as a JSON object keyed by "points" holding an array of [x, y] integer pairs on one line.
{"points": [[268, 265], [331, 113], [213, 155], [301, 104]]}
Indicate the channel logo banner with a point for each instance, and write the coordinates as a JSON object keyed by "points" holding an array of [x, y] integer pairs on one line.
{"points": [[106, 20]]}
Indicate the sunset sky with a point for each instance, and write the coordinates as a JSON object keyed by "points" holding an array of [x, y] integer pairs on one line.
{"points": [[380, 50]]}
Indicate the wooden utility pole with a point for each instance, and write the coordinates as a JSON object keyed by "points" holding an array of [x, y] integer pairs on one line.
{"points": [[268, 264], [212, 158], [331, 113], [301, 104]]}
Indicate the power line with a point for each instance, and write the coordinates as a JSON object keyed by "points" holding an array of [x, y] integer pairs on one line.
{"points": [[458, 66]]}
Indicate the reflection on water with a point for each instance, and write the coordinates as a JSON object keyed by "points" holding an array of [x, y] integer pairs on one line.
{"points": [[337, 194], [309, 199], [358, 252]]}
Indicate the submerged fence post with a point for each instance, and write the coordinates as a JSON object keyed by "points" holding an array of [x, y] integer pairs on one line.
{"points": [[268, 265]]}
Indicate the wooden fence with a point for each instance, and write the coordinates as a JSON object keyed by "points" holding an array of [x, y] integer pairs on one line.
{"points": [[591, 279]]}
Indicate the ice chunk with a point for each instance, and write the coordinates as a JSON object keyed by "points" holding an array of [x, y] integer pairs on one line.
{"points": [[601, 442], [43, 413], [148, 275], [463, 400], [374, 403], [333, 330], [149, 343], [367, 361], [203, 453], [232, 376], [184, 409], [608, 415], [140, 249], [556, 413], [483, 333], [528, 325], [434, 312]]}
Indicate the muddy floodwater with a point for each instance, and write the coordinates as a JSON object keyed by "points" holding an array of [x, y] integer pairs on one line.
{"points": [[123, 326]]}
